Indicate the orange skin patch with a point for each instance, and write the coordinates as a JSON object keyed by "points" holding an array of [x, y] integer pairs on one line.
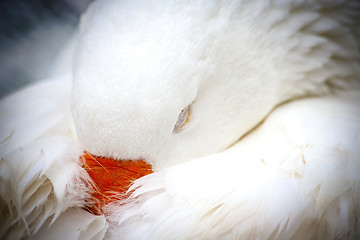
{"points": [[111, 179]]}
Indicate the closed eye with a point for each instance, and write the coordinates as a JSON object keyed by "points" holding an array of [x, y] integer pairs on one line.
{"points": [[182, 120]]}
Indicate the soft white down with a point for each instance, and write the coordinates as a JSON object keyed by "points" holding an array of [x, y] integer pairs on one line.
{"points": [[270, 149]]}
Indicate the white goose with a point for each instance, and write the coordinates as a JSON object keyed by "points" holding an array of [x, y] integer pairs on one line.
{"points": [[247, 111]]}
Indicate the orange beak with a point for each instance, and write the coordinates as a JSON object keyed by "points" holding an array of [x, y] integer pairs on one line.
{"points": [[111, 179]]}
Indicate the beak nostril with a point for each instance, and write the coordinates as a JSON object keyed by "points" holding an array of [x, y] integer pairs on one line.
{"points": [[111, 179]]}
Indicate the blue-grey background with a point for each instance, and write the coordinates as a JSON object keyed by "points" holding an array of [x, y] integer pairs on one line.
{"points": [[31, 34]]}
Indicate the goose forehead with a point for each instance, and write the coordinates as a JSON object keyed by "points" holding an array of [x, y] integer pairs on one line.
{"points": [[141, 42], [147, 67], [129, 93], [145, 73]]}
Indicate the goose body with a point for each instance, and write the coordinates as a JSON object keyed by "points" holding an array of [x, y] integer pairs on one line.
{"points": [[248, 113]]}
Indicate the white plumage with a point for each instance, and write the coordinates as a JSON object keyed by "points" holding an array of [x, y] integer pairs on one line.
{"points": [[270, 150]]}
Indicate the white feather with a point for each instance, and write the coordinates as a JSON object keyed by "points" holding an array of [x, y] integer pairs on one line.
{"points": [[271, 149], [41, 176], [74, 224], [299, 170]]}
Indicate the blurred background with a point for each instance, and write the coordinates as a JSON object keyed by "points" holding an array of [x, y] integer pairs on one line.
{"points": [[32, 32]]}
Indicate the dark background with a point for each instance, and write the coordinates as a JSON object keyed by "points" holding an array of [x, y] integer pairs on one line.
{"points": [[31, 34]]}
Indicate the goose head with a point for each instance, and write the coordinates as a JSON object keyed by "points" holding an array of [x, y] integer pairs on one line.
{"points": [[172, 82]]}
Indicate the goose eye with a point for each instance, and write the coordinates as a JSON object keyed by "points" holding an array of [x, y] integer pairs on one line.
{"points": [[182, 120]]}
